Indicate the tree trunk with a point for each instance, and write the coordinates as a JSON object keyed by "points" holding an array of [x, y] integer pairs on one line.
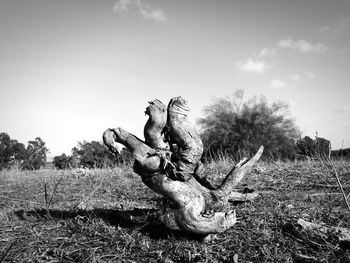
{"points": [[169, 163]]}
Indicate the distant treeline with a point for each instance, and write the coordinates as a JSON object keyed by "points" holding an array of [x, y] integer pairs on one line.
{"points": [[236, 129], [230, 128], [341, 153], [92, 155], [16, 154], [32, 156]]}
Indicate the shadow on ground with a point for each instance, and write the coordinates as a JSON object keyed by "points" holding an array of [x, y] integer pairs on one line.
{"points": [[147, 221]]}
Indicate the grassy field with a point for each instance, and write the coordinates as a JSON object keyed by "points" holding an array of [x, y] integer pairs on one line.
{"points": [[110, 216]]}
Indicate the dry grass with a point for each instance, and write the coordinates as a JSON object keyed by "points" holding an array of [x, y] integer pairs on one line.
{"points": [[110, 216]]}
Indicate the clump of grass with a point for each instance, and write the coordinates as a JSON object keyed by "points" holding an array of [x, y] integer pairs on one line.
{"points": [[119, 219]]}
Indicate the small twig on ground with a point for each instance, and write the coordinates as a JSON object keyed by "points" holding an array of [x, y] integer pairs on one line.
{"points": [[54, 190], [330, 165], [7, 251], [45, 195], [48, 202], [322, 194]]}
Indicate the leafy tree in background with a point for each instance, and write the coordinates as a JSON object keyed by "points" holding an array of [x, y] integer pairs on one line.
{"points": [[306, 146], [311, 148], [125, 157], [231, 127], [65, 162], [323, 146], [35, 155], [93, 155], [11, 151]]}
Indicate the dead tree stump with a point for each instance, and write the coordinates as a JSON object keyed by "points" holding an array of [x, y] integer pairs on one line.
{"points": [[168, 162]]}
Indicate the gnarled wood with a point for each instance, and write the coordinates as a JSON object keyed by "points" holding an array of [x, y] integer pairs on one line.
{"points": [[183, 133], [154, 128], [176, 173], [144, 155], [237, 173], [189, 201]]}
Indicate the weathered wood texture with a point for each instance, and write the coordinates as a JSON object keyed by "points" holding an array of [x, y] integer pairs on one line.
{"points": [[313, 233], [154, 128], [169, 163]]}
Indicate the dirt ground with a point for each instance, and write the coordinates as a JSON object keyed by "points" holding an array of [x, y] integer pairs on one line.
{"points": [[110, 216]]}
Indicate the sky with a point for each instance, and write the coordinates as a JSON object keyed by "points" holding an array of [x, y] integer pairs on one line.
{"points": [[70, 69]]}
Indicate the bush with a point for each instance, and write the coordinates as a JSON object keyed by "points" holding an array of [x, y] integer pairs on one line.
{"points": [[92, 155], [35, 155], [11, 151], [14, 153], [308, 147], [95, 155], [65, 162], [231, 127]]}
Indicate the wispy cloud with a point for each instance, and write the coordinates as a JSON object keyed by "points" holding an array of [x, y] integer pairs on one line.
{"points": [[122, 6], [143, 9], [302, 46], [325, 29], [257, 62], [342, 25], [267, 52], [257, 66], [278, 84]]}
